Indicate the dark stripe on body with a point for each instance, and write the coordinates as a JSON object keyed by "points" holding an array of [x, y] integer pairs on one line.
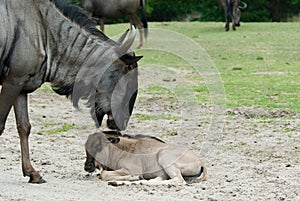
{"points": [[13, 44]]}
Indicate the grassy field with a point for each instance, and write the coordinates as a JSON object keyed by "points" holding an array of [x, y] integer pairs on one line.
{"points": [[259, 63]]}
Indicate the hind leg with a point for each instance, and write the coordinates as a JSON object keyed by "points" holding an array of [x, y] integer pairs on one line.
{"points": [[233, 22], [175, 175]]}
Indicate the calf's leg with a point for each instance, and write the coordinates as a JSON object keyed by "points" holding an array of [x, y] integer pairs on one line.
{"points": [[151, 182], [23, 126], [119, 175]]}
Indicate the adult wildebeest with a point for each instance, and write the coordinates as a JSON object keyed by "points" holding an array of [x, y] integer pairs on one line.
{"points": [[123, 159], [232, 10], [53, 41], [119, 8]]}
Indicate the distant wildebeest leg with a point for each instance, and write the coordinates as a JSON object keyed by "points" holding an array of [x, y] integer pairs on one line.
{"points": [[134, 20], [233, 21], [234, 14], [227, 18], [101, 23], [23, 126]]}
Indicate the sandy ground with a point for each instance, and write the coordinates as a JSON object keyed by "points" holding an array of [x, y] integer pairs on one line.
{"points": [[256, 157]]}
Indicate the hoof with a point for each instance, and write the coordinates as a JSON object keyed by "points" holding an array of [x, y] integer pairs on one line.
{"points": [[112, 183], [39, 180], [115, 183]]}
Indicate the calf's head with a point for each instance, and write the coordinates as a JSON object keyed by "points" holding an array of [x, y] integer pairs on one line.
{"points": [[97, 145]]}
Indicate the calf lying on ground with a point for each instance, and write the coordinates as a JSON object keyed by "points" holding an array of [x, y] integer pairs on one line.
{"points": [[126, 159]]}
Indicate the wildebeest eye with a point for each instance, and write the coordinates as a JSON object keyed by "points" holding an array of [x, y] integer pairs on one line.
{"points": [[129, 67]]}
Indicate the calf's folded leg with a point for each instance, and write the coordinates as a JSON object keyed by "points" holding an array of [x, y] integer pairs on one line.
{"points": [[118, 175]]}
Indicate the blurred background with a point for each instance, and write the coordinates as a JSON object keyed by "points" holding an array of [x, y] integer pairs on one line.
{"points": [[210, 10]]}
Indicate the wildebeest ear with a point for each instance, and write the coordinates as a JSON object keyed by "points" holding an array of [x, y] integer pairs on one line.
{"points": [[129, 60], [114, 140]]}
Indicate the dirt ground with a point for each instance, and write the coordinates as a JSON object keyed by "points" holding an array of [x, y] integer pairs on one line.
{"points": [[256, 155]]}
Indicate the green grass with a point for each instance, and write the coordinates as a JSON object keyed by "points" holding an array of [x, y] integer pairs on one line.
{"points": [[259, 63], [57, 128], [46, 88], [156, 117]]}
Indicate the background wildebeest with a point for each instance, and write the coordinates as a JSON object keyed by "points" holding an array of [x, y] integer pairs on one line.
{"points": [[232, 10], [112, 9], [125, 158], [53, 41]]}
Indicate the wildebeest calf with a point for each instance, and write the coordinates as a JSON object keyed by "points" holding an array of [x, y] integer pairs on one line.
{"points": [[140, 159]]}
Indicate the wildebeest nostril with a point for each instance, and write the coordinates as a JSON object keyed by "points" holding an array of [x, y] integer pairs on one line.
{"points": [[111, 124], [89, 167]]}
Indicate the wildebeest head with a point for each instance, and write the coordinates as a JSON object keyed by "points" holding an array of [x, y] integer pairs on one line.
{"points": [[241, 8], [116, 90], [97, 143]]}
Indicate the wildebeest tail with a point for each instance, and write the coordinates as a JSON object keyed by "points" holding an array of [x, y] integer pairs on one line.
{"points": [[201, 176], [144, 18]]}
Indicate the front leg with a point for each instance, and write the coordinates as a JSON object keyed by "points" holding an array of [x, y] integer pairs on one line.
{"points": [[119, 175], [8, 95], [23, 126]]}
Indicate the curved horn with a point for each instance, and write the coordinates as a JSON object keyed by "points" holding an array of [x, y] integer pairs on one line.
{"points": [[244, 6], [123, 36], [122, 49]]}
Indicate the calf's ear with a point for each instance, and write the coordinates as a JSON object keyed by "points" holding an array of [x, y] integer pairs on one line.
{"points": [[114, 140]]}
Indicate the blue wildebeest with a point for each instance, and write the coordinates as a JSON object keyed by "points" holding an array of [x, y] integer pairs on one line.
{"points": [[232, 10], [112, 9], [53, 41], [141, 159]]}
